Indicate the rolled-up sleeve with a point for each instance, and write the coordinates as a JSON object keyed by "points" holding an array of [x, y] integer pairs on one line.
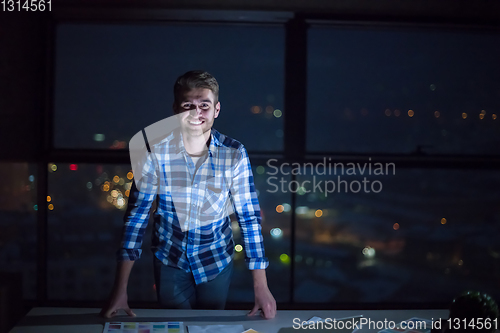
{"points": [[247, 210], [142, 195]]}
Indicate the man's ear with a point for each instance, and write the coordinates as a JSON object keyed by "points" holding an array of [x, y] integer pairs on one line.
{"points": [[217, 109]]}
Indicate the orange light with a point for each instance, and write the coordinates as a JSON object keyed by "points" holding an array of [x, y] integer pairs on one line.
{"points": [[280, 208], [127, 193], [105, 187], [481, 116], [51, 207], [49, 199], [318, 213], [130, 175], [395, 226], [256, 109], [411, 113], [464, 115], [116, 179], [443, 221], [493, 116]]}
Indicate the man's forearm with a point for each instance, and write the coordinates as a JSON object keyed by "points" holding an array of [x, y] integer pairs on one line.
{"points": [[123, 270], [259, 278]]}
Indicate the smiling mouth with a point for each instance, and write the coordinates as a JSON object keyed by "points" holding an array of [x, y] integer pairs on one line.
{"points": [[197, 122]]}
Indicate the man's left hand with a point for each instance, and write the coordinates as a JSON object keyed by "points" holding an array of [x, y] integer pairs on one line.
{"points": [[264, 300]]}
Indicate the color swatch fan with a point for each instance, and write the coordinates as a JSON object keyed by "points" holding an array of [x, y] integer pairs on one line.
{"points": [[132, 327]]}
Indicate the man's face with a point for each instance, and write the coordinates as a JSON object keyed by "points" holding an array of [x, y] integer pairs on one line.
{"points": [[197, 111]]}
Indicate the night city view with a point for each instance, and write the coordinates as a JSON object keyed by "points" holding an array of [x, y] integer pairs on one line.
{"points": [[416, 233]]}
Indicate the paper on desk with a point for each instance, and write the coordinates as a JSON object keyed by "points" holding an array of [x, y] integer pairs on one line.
{"points": [[314, 319], [216, 329]]}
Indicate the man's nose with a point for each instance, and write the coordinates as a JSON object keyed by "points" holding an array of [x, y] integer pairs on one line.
{"points": [[195, 110]]}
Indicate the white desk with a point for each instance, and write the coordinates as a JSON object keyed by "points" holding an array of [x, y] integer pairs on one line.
{"points": [[81, 320]]}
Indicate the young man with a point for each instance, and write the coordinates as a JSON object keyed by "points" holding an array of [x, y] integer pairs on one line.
{"points": [[198, 176]]}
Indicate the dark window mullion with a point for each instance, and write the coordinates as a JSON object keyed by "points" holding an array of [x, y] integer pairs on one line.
{"points": [[295, 112], [295, 88], [47, 146], [42, 234]]}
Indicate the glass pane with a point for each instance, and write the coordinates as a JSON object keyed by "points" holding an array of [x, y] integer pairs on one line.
{"points": [[114, 80], [18, 246], [401, 91], [276, 232], [86, 207], [418, 235]]}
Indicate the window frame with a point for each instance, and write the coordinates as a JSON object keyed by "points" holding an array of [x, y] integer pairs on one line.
{"points": [[295, 103]]}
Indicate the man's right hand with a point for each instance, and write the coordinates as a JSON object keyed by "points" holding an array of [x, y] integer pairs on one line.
{"points": [[117, 301]]}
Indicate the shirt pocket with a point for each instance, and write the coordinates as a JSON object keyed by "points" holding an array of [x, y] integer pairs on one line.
{"points": [[215, 200]]}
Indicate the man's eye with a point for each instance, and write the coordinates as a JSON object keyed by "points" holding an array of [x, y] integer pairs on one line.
{"points": [[204, 106], [186, 106]]}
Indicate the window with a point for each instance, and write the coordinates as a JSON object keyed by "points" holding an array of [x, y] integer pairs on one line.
{"points": [[406, 234], [86, 206], [18, 246], [403, 91], [112, 81]]}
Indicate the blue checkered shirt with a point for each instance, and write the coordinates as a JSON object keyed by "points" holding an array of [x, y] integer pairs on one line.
{"points": [[192, 228]]}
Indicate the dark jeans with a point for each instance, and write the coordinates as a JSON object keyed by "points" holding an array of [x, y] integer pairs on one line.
{"points": [[177, 289]]}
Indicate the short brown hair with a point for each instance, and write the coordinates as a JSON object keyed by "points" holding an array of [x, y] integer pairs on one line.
{"points": [[192, 80]]}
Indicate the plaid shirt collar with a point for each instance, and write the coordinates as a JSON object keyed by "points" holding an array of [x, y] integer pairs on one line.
{"points": [[177, 144]]}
